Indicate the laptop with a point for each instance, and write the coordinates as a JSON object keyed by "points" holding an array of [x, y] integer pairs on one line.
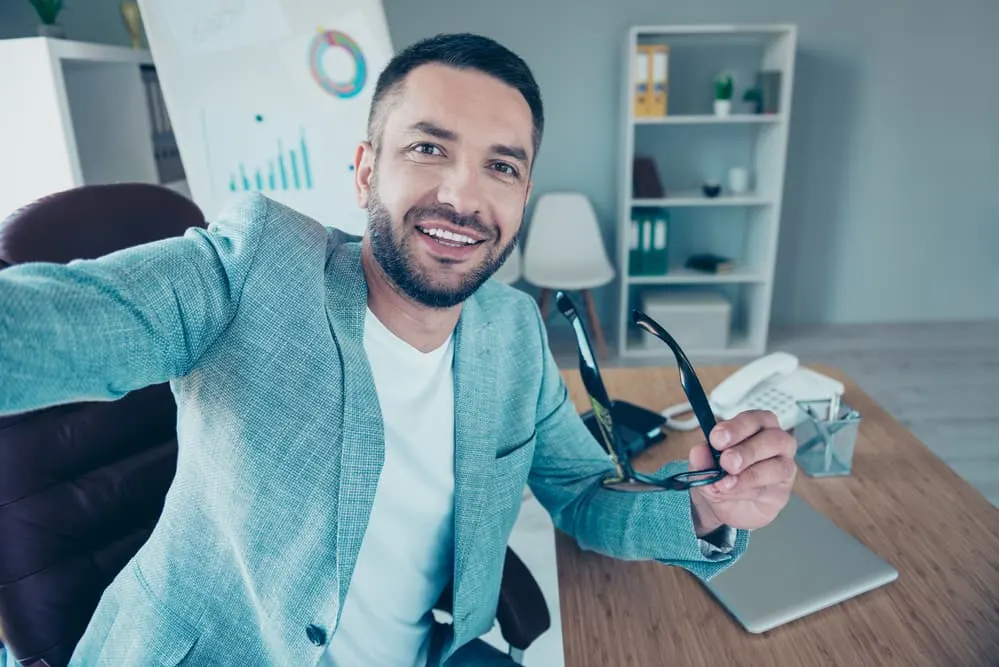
{"points": [[798, 564]]}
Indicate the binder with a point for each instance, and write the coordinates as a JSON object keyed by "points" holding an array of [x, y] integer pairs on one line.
{"points": [[659, 76], [635, 248], [658, 258], [647, 259], [642, 73]]}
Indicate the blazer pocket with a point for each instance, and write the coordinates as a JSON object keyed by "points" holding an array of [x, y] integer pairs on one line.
{"points": [[511, 449], [512, 466]]}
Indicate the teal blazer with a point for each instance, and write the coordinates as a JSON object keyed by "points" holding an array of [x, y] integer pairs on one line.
{"points": [[257, 323]]}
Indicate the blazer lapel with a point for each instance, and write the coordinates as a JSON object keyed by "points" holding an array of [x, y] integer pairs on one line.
{"points": [[475, 407], [363, 434]]}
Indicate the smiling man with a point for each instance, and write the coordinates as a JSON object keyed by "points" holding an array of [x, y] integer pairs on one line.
{"points": [[358, 417]]}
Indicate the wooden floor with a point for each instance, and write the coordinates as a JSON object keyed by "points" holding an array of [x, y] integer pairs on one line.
{"points": [[940, 380]]}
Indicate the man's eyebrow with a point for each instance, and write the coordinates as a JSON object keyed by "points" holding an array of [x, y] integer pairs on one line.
{"points": [[434, 130], [426, 127], [515, 152]]}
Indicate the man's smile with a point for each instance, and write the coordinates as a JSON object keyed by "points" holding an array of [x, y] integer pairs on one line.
{"points": [[449, 236]]}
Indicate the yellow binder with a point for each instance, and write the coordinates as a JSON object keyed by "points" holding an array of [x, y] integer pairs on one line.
{"points": [[659, 75], [642, 67]]}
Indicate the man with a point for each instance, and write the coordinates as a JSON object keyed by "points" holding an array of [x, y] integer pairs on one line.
{"points": [[358, 417]]}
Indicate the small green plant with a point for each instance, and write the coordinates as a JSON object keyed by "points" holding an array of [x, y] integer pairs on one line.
{"points": [[724, 85], [47, 10]]}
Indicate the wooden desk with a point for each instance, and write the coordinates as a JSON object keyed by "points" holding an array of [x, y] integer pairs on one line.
{"points": [[901, 501]]}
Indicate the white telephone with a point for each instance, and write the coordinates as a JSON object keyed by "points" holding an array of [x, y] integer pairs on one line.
{"points": [[774, 382]]}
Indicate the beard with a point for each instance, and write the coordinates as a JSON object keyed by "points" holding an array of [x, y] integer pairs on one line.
{"points": [[416, 282]]}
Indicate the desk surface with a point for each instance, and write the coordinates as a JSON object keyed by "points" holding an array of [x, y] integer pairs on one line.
{"points": [[901, 501]]}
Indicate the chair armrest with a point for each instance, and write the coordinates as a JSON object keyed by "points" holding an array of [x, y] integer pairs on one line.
{"points": [[522, 613]]}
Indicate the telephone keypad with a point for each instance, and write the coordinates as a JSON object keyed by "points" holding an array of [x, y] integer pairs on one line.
{"points": [[772, 399]]}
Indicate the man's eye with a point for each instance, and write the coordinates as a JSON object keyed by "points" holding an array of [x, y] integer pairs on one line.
{"points": [[505, 168], [428, 149]]}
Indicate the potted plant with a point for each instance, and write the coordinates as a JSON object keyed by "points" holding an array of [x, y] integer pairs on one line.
{"points": [[724, 85], [48, 13]]}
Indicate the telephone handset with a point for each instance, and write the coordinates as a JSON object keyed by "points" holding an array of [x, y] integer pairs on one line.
{"points": [[774, 382]]}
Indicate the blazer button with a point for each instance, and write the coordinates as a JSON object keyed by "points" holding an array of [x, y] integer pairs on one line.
{"points": [[315, 634]]}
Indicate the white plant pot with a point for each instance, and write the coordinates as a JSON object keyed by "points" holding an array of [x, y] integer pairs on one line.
{"points": [[723, 107], [51, 30]]}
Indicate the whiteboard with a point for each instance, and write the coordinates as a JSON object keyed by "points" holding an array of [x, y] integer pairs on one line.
{"points": [[270, 96]]}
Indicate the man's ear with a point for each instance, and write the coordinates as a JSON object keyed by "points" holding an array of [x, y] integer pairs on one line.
{"points": [[364, 167]]}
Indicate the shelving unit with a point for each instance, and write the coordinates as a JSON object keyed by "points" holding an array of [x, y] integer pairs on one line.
{"points": [[80, 114], [691, 145]]}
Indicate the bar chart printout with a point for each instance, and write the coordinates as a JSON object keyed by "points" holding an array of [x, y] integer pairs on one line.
{"points": [[285, 157], [287, 169]]}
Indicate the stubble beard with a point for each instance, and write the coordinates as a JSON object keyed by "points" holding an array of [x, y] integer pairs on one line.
{"points": [[414, 281]]}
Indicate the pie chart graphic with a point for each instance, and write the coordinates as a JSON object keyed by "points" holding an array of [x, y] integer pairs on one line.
{"points": [[335, 39]]}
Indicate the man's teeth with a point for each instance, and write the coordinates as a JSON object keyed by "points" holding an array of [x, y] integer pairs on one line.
{"points": [[449, 236]]}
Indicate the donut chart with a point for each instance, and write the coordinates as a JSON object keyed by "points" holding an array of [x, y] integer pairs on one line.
{"points": [[335, 39]]}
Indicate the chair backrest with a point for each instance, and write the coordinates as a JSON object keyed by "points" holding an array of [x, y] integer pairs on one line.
{"points": [[563, 236], [81, 485]]}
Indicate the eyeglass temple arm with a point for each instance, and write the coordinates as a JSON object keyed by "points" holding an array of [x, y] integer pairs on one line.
{"points": [[593, 381], [688, 379]]}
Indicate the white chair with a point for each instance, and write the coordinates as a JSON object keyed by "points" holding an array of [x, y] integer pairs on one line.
{"points": [[510, 271], [564, 250]]}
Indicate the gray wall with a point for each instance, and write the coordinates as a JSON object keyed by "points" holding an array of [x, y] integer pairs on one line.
{"points": [[891, 210]]}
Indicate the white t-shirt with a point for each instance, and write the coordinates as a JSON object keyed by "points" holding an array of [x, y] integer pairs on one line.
{"points": [[406, 557]]}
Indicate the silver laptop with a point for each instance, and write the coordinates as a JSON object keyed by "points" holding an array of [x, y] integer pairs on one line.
{"points": [[800, 563]]}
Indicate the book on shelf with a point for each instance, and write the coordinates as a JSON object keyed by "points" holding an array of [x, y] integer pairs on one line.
{"points": [[710, 263]]}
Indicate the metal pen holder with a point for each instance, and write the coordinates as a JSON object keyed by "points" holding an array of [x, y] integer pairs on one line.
{"points": [[826, 438]]}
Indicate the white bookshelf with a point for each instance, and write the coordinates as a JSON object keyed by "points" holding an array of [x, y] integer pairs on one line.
{"points": [[691, 145], [80, 114]]}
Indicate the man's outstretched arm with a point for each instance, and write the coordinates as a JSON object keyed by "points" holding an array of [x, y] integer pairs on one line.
{"points": [[97, 329]]}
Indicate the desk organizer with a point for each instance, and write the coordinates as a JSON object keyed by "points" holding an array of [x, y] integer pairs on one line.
{"points": [[826, 438]]}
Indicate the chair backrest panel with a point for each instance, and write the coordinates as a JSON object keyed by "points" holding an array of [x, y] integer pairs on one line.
{"points": [[564, 228], [81, 485]]}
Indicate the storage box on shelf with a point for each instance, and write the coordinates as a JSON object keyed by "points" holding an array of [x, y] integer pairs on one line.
{"points": [[81, 114], [673, 150], [696, 320]]}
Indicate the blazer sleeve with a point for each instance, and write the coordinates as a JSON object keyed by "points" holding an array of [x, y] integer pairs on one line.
{"points": [[566, 475], [97, 329]]}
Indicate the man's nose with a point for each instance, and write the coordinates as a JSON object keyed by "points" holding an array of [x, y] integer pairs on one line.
{"points": [[461, 190]]}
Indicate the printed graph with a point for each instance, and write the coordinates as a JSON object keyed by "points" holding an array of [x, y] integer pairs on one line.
{"points": [[287, 156], [270, 152], [287, 169]]}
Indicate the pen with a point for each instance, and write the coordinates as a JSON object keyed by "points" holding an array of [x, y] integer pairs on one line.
{"points": [[833, 414]]}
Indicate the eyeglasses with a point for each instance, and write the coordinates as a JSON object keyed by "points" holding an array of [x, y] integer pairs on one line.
{"points": [[626, 478]]}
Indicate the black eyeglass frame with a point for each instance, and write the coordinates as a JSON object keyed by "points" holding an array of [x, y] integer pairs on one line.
{"points": [[626, 478]]}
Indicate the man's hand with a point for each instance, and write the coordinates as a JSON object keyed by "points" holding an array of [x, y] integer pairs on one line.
{"points": [[759, 457]]}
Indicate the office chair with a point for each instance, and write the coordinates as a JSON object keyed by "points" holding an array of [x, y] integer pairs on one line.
{"points": [[82, 485]]}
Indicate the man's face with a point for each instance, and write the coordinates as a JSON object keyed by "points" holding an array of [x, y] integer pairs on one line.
{"points": [[446, 192]]}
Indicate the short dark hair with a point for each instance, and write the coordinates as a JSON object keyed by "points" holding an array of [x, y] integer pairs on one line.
{"points": [[461, 51]]}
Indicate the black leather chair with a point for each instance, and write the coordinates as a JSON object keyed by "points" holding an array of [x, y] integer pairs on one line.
{"points": [[82, 485]]}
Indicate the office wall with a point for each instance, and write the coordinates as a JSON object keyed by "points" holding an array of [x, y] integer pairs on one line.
{"points": [[891, 210]]}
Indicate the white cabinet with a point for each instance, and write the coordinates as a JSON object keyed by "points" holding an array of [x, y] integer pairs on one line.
{"points": [[76, 113], [691, 145]]}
